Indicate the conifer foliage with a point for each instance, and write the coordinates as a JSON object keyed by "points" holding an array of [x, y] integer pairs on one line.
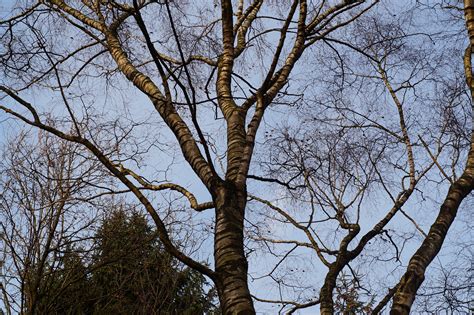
{"points": [[128, 273]]}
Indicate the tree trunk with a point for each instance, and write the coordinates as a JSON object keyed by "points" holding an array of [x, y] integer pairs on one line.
{"points": [[30, 302], [325, 296], [230, 261], [460, 189], [330, 282], [415, 274]]}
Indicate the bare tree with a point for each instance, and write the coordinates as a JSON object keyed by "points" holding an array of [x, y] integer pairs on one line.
{"points": [[459, 189], [190, 61], [394, 119], [42, 215], [372, 116]]}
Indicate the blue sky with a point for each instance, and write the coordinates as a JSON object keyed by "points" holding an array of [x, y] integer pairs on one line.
{"points": [[184, 176]]}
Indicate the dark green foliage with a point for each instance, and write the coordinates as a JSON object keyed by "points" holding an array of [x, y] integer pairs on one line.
{"points": [[128, 273]]}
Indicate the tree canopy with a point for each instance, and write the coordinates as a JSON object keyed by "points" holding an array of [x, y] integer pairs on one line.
{"points": [[295, 154]]}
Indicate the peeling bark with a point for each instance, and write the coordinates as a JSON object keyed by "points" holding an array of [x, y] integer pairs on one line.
{"points": [[231, 263]]}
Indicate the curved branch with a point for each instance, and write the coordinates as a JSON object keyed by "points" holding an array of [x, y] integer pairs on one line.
{"points": [[171, 186], [161, 228]]}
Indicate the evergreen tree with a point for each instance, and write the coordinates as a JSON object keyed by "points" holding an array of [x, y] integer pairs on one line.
{"points": [[128, 273]]}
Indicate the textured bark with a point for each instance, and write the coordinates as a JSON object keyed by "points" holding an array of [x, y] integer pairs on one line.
{"points": [[229, 196], [460, 189], [230, 261], [415, 274], [325, 296], [187, 143], [469, 16]]}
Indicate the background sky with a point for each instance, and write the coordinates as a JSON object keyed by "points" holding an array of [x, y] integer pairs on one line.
{"points": [[259, 263]]}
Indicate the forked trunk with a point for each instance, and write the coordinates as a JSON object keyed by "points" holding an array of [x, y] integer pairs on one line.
{"points": [[230, 261]]}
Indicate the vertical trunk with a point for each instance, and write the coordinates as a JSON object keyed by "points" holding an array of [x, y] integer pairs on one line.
{"points": [[30, 302], [343, 258], [325, 296], [230, 261], [28, 291]]}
